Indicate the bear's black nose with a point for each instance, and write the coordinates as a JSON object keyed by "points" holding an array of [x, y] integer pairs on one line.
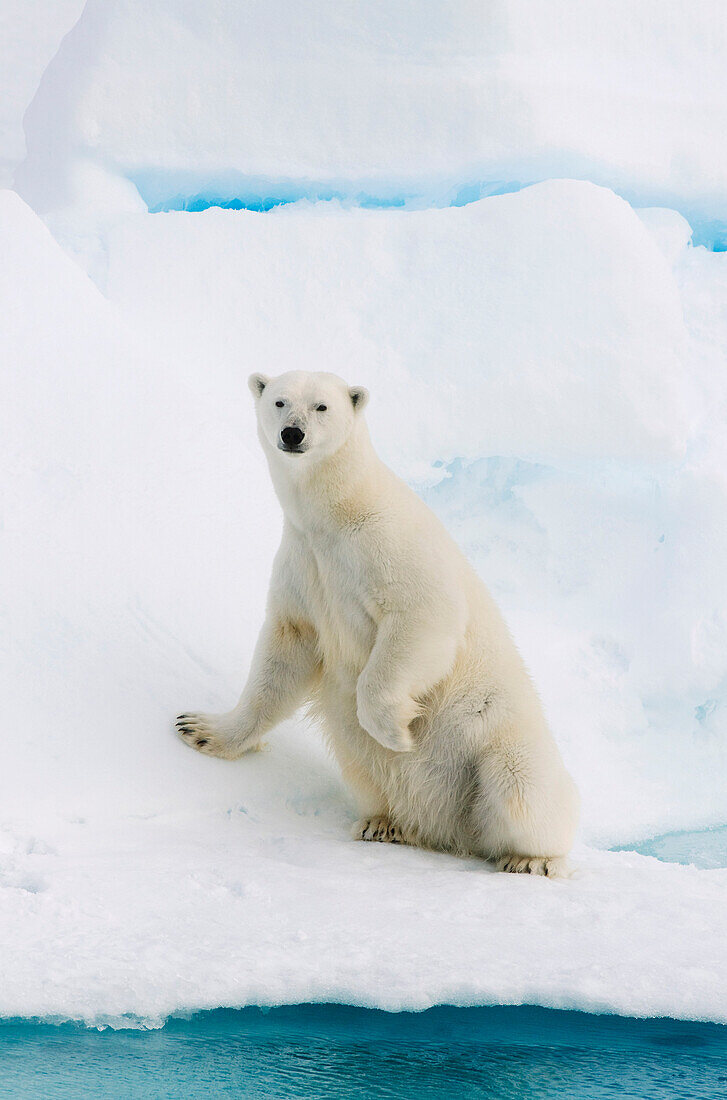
{"points": [[292, 437]]}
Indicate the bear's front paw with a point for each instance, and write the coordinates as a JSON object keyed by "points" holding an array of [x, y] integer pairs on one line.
{"points": [[385, 729], [397, 739], [387, 723], [205, 733]]}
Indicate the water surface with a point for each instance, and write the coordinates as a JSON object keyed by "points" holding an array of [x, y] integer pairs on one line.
{"points": [[703, 848], [319, 1052]]}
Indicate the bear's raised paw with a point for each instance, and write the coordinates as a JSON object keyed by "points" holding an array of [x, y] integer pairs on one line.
{"points": [[206, 734]]}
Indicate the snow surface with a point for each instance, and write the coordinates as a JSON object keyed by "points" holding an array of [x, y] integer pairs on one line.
{"points": [[270, 903], [548, 368]]}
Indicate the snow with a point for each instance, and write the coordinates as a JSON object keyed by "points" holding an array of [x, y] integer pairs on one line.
{"points": [[181, 96], [104, 481], [547, 367], [405, 298], [139, 879], [30, 35], [270, 903]]}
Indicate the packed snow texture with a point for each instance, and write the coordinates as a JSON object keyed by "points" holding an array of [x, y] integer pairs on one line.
{"points": [[188, 96], [547, 368], [270, 903]]}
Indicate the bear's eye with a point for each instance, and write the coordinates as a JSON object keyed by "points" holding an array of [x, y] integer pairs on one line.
{"points": [[279, 404], [321, 408]]}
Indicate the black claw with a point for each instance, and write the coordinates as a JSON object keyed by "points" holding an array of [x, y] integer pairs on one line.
{"points": [[202, 741]]}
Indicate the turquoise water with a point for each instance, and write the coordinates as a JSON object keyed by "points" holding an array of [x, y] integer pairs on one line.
{"points": [[325, 1051], [703, 848]]}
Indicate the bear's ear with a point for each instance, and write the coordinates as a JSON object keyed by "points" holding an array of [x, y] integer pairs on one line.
{"points": [[359, 397], [257, 383]]}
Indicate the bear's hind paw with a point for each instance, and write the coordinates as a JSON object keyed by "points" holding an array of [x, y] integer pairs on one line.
{"points": [[380, 829], [549, 866]]}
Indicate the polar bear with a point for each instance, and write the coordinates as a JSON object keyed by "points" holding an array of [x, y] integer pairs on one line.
{"points": [[377, 620]]}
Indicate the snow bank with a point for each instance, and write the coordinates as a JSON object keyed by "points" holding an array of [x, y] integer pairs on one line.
{"points": [[545, 324], [105, 478], [203, 97], [30, 34], [272, 904]]}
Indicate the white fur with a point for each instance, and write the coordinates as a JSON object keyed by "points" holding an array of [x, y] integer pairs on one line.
{"points": [[377, 620]]}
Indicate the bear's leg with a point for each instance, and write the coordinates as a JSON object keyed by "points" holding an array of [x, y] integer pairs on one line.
{"points": [[410, 655], [284, 671], [526, 808], [359, 758]]}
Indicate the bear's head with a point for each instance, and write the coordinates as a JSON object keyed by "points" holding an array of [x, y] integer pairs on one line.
{"points": [[304, 416]]}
